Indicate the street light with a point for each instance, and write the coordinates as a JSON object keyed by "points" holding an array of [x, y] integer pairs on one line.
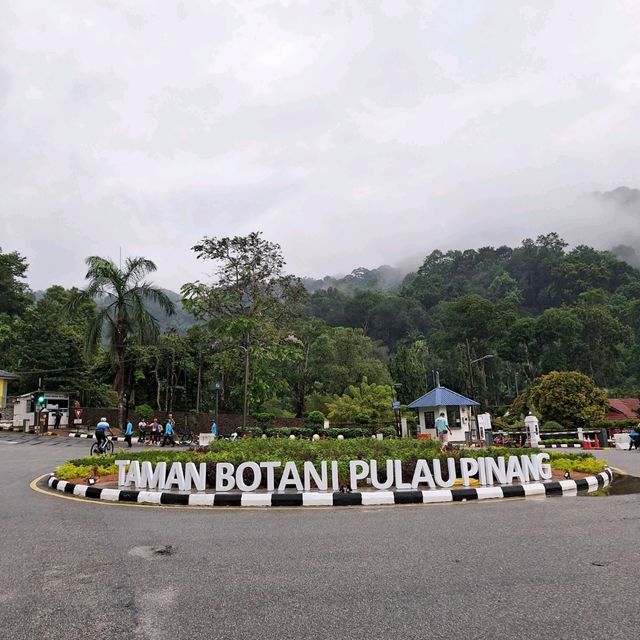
{"points": [[474, 424]]}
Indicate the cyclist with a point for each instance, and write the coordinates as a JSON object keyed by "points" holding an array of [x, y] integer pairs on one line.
{"points": [[101, 436]]}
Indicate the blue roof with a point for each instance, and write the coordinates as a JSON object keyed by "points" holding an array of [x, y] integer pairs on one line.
{"points": [[441, 397]]}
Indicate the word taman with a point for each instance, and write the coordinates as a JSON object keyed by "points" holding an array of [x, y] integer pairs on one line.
{"points": [[487, 471]]}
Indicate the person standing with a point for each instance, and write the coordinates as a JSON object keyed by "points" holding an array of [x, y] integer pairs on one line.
{"points": [[442, 428], [155, 431], [142, 428], [128, 433], [214, 429], [168, 434]]}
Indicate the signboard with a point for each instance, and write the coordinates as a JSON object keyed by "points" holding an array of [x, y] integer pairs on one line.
{"points": [[249, 476], [395, 405], [77, 414]]}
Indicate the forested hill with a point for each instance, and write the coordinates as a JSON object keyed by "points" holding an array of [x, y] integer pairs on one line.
{"points": [[490, 320], [531, 308]]}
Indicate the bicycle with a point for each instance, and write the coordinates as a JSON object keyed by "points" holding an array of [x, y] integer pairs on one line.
{"points": [[186, 438], [106, 449]]}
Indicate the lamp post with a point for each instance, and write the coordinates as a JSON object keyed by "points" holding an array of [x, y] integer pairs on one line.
{"points": [[471, 362]]}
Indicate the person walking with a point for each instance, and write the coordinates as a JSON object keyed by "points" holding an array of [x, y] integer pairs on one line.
{"points": [[214, 429], [442, 428], [128, 433], [634, 439], [168, 434]]}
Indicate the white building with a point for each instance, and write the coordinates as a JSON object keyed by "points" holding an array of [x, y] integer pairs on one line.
{"points": [[24, 413]]}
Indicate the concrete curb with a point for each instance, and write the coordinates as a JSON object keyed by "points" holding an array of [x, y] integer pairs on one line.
{"points": [[560, 446], [93, 437], [336, 499]]}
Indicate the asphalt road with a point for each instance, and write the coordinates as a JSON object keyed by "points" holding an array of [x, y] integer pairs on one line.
{"points": [[560, 568]]}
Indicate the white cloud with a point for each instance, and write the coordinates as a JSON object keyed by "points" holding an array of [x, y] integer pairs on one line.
{"points": [[353, 133]]}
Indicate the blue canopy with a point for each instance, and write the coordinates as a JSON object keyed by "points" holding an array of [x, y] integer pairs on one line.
{"points": [[442, 397]]}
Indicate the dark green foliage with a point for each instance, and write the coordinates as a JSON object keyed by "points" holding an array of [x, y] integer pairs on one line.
{"points": [[490, 320], [315, 417], [264, 417], [552, 426], [144, 412]]}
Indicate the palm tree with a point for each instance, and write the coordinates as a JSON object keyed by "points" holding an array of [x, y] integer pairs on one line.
{"points": [[121, 295]]}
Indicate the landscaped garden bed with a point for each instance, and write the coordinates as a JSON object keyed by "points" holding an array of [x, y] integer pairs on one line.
{"points": [[342, 451]]}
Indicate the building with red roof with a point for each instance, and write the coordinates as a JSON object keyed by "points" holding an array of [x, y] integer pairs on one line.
{"points": [[623, 409]]}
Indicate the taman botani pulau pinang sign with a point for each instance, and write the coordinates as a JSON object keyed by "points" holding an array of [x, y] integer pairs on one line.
{"points": [[324, 477]]}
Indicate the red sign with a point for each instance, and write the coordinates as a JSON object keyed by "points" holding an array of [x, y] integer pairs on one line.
{"points": [[78, 413]]}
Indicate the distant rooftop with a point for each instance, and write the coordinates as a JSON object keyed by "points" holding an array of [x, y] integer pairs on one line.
{"points": [[7, 376], [442, 397]]}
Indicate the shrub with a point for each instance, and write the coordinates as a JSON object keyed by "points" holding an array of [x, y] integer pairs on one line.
{"points": [[548, 441], [552, 426], [265, 417], [315, 417], [144, 412], [580, 464], [69, 470], [387, 431]]}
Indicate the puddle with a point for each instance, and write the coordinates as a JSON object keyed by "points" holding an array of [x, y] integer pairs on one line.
{"points": [[622, 486], [151, 552]]}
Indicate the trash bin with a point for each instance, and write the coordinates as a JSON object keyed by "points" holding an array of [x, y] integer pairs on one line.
{"points": [[488, 437], [26, 426]]}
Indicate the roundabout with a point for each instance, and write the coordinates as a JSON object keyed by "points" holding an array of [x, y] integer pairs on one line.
{"points": [[335, 499], [358, 573], [330, 474]]}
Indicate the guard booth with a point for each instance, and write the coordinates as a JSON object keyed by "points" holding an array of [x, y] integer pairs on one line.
{"points": [[54, 412], [455, 406]]}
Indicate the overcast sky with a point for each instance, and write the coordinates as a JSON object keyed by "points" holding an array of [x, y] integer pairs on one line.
{"points": [[352, 133]]}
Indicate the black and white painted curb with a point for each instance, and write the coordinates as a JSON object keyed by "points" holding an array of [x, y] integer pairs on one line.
{"points": [[134, 440], [336, 499], [560, 446]]}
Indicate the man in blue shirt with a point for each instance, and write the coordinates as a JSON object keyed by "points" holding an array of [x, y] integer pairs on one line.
{"points": [[214, 429], [442, 427], [168, 434], [101, 436], [128, 433]]}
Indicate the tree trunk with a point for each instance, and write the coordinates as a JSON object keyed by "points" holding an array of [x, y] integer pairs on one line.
{"points": [[245, 394], [156, 371], [118, 382], [199, 382]]}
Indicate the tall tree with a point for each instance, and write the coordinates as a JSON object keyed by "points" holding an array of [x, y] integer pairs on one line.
{"points": [[121, 294], [252, 298], [14, 295]]}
